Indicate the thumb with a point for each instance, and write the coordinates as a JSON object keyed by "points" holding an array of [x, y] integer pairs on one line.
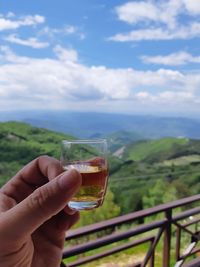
{"points": [[41, 205]]}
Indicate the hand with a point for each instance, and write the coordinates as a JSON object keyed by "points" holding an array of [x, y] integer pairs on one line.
{"points": [[34, 216]]}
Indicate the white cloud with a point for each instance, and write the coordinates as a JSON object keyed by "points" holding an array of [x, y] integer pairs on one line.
{"points": [[183, 32], [7, 55], [174, 59], [31, 42], [32, 20], [66, 83], [133, 12], [70, 29], [6, 23], [192, 6], [166, 97], [168, 101], [144, 11], [63, 54], [144, 96], [158, 20], [65, 31], [176, 97], [138, 35]]}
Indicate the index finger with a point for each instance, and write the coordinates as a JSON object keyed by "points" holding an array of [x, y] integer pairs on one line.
{"points": [[35, 174]]}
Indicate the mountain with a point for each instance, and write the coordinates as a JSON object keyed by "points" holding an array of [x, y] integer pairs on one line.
{"points": [[87, 124]]}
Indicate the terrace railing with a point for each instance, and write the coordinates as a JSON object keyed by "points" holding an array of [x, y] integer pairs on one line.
{"points": [[172, 223]]}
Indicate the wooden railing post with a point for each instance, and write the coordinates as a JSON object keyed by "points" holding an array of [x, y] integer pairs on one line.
{"points": [[167, 239], [178, 243]]}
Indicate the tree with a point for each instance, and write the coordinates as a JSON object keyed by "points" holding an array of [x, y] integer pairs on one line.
{"points": [[108, 210], [161, 193]]}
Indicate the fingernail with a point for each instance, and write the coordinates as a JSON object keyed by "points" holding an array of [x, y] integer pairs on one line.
{"points": [[69, 211], [70, 180]]}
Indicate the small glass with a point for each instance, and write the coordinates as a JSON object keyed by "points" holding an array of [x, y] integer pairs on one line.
{"points": [[89, 158]]}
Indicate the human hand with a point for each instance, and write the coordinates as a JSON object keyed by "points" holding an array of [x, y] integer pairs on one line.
{"points": [[34, 216]]}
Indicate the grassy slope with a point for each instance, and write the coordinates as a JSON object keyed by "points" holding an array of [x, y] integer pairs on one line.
{"points": [[21, 143], [21, 135], [145, 149], [185, 160]]}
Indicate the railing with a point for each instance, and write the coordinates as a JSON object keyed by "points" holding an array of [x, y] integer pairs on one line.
{"points": [[155, 231]]}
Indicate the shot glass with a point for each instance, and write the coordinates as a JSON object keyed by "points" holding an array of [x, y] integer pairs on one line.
{"points": [[89, 158]]}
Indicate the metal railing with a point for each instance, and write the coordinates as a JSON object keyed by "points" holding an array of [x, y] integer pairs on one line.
{"points": [[156, 230]]}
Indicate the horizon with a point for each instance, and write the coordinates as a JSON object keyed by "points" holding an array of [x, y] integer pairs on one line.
{"points": [[110, 57], [32, 112]]}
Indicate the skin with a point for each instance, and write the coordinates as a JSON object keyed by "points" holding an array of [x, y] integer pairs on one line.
{"points": [[34, 216]]}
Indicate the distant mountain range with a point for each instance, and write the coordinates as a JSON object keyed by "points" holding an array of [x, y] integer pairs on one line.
{"points": [[124, 127]]}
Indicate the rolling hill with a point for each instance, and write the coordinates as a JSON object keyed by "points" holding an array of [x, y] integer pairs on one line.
{"points": [[161, 149]]}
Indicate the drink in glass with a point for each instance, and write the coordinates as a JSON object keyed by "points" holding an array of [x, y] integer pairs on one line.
{"points": [[89, 158]]}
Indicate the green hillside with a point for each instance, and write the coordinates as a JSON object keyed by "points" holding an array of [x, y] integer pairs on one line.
{"points": [[161, 149], [20, 143], [151, 166], [184, 160]]}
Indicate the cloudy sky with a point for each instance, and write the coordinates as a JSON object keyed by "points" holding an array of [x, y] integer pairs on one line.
{"points": [[100, 55]]}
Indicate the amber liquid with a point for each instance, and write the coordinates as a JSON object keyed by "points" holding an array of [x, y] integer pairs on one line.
{"points": [[94, 182]]}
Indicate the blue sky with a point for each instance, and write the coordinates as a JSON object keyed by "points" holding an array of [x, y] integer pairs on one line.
{"points": [[108, 56]]}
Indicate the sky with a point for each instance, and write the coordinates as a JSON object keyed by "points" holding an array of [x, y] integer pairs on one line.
{"points": [[134, 57]]}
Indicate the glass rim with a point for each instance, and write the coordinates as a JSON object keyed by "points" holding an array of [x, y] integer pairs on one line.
{"points": [[84, 141]]}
